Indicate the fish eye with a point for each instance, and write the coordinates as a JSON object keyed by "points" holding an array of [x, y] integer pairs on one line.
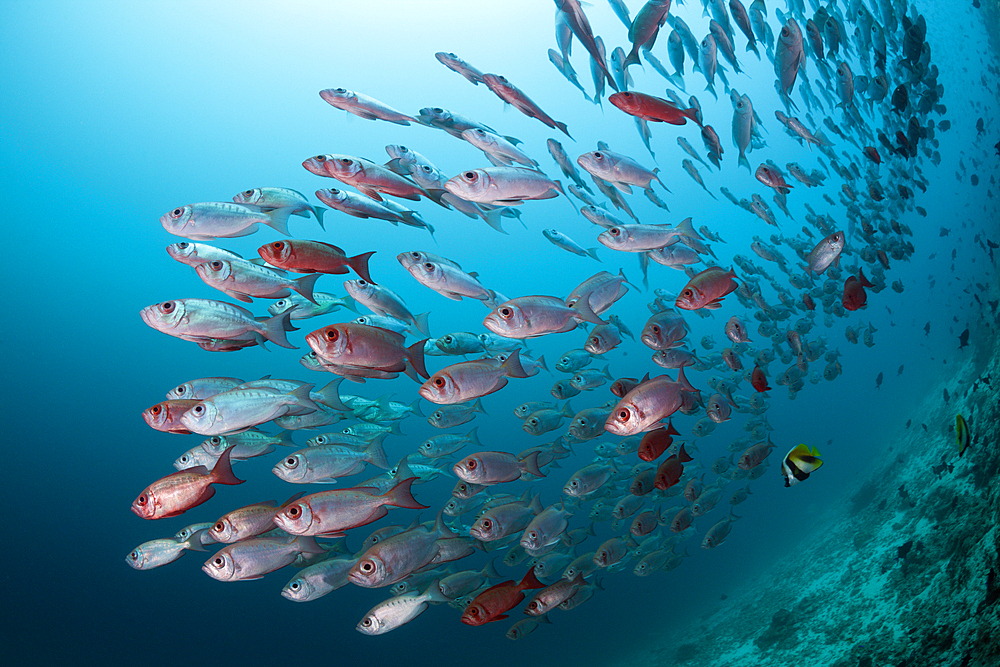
{"points": [[278, 245], [439, 382], [134, 555], [448, 339], [614, 231], [183, 245], [185, 458], [346, 160], [624, 414], [428, 266], [155, 410], [167, 306], [598, 156], [215, 440], [176, 213], [404, 149], [471, 464], [215, 264], [291, 462], [294, 511], [219, 527], [181, 390], [367, 622], [361, 282], [142, 500], [470, 175], [437, 110], [574, 483], [438, 415], [218, 561], [688, 292], [626, 94], [247, 193], [295, 585], [198, 409], [320, 158], [487, 524], [505, 313], [533, 421], [332, 334], [473, 611], [340, 90], [655, 329], [320, 439], [367, 567]]}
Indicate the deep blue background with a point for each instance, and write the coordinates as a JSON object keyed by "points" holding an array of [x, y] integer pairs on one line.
{"points": [[117, 112]]}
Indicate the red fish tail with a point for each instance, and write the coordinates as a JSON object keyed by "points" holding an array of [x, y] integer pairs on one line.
{"points": [[401, 496], [683, 456], [530, 581], [415, 353], [861, 278], [360, 265], [222, 473]]}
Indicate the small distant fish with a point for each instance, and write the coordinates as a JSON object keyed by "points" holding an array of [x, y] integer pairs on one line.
{"points": [[961, 434], [963, 339]]}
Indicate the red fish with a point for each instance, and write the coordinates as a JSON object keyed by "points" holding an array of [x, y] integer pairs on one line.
{"points": [[808, 302], [706, 289], [772, 179], [314, 257], [177, 493], [494, 603], [652, 108], [872, 154], [854, 291], [758, 380], [656, 442], [351, 349], [670, 471]]}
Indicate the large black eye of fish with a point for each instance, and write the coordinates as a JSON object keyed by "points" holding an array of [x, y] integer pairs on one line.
{"points": [[155, 410], [428, 266], [448, 339], [135, 555], [291, 462], [142, 500], [176, 213], [294, 511], [216, 264], [367, 567], [346, 160], [626, 94], [294, 586], [471, 464], [167, 306], [624, 414], [614, 231], [655, 329], [688, 293], [598, 156], [361, 282], [340, 90], [470, 175], [320, 158], [332, 334], [437, 110], [218, 561], [183, 245], [219, 527], [248, 193], [505, 313], [215, 440], [438, 382], [487, 524], [198, 409]]}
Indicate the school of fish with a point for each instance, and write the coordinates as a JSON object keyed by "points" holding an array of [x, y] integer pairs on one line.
{"points": [[858, 91]]}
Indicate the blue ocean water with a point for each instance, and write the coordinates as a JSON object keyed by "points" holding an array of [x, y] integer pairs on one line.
{"points": [[117, 112]]}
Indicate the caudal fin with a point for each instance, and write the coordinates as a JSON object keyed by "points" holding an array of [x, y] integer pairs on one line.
{"points": [[306, 284], [222, 473], [401, 495], [415, 353], [278, 219], [360, 265], [275, 327]]}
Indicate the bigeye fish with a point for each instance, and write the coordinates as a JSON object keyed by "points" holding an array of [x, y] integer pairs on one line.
{"points": [[253, 558], [215, 220], [175, 494], [318, 579], [399, 610]]}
